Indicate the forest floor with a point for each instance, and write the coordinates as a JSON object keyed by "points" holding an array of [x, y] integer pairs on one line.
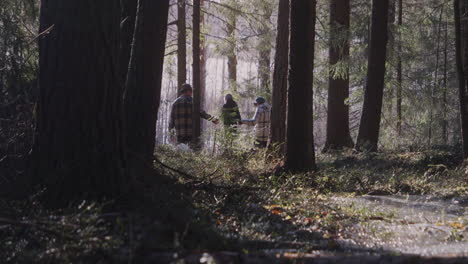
{"points": [[389, 207]]}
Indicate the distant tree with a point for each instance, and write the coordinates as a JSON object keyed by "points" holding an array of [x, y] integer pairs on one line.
{"points": [[143, 89], [181, 44], [338, 134], [461, 35], [399, 98], [231, 23], [369, 128], [300, 154], [196, 72], [127, 28], [79, 146], [280, 78], [264, 47]]}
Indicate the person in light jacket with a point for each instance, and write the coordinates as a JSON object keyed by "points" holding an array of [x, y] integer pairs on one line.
{"points": [[261, 121]]}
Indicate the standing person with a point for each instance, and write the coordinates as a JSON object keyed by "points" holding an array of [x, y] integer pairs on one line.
{"points": [[230, 113], [181, 119], [231, 118], [261, 121]]}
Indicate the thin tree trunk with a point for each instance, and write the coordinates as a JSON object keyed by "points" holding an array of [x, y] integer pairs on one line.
{"points": [[127, 29], [399, 69], [338, 134], [143, 91], [461, 35], [280, 79], [264, 51], [232, 53], [435, 85], [444, 92], [181, 44], [78, 150], [369, 128], [203, 60], [300, 153], [196, 74]]}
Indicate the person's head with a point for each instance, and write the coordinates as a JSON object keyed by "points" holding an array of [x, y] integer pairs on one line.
{"points": [[228, 98], [186, 89], [259, 101]]}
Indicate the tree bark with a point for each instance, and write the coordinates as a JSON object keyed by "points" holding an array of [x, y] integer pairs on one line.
{"points": [[143, 91], [399, 69], [280, 79], [181, 44], [127, 29], [338, 134], [196, 73], [232, 53], [78, 150], [369, 128], [461, 36], [300, 154]]}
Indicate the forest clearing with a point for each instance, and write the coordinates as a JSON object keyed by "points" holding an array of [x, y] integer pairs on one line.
{"points": [[234, 131]]}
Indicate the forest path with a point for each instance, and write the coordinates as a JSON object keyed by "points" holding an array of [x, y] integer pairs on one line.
{"points": [[408, 224]]}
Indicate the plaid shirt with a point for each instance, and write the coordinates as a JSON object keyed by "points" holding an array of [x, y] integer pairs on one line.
{"points": [[182, 116], [261, 121]]}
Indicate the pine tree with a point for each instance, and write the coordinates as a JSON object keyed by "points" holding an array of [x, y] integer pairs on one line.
{"points": [[300, 153], [280, 78], [338, 134], [79, 146], [369, 128]]}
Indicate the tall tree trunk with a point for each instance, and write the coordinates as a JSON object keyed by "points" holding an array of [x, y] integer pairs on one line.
{"points": [[300, 154], [232, 53], [143, 91], [127, 29], [369, 128], [444, 92], [203, 60], [196, 73], [399, 69], [338, 134], [181, 44], [435, 85], [280, 78], [78, 149], [264, 50], [461, 35]]}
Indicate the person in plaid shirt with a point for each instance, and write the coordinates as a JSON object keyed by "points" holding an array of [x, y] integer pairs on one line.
{"points": [[181, 118], [261, 121]]}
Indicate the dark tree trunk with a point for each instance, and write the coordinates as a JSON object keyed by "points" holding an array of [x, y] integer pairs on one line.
{"points": [[127, 28], [78, 150], [181, 44], [399, 69], [369, 128], [461, 35], [280, 78], [338, 135], [300, 154], [196, 73], [203, 59], [143, 91], [232, 53]]}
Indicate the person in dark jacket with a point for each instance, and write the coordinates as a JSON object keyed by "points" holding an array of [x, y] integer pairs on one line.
{"points": [[230, 112]]}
